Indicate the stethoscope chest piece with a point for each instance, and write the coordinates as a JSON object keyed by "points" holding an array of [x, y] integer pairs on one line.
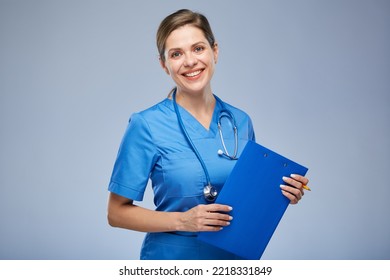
{"points": [[210, 193]]}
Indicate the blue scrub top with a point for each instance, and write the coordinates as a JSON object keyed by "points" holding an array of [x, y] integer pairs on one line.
{"points": [[154, 147]]}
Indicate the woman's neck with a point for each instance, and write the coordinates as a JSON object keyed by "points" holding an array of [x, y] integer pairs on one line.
{"points": [[200, 105]]}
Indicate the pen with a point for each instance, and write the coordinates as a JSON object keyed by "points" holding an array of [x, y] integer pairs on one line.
{"points": [[303, 185]]}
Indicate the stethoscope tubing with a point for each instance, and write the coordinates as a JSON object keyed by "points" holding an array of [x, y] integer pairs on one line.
{"points": [[225, 151], [189, 140], [209, 192]]}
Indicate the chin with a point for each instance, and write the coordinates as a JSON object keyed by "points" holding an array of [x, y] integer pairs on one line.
{"points": [[198, 87], [194, 90]]}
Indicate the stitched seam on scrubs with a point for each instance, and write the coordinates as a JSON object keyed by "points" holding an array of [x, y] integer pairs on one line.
{"points": [[153, 141], [126, 187], [150, 132], [125, 191]]}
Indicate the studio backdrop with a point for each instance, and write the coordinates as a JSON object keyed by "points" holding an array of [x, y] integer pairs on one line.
{"points": [[313, 76]]}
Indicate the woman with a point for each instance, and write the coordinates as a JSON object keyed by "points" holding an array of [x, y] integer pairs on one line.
{"points": [[175, 143]]}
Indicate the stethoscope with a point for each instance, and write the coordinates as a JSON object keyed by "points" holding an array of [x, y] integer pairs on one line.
{"points": [[210, 193]]}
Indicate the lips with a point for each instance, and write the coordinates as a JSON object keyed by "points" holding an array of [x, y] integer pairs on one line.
{"points": [[193, 73]]}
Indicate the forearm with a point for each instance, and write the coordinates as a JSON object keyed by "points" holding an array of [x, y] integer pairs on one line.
{"points": [[124, 214], [137, 218]]}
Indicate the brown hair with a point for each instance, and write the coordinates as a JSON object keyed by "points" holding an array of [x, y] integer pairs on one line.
{"points": [[179, 19]]}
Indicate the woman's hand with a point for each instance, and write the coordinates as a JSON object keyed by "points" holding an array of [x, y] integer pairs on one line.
{"points": [[208, 217], [294, 190]]}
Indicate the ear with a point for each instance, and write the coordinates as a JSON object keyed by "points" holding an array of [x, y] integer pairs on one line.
{"points": [[162, 63], [216, 52]]}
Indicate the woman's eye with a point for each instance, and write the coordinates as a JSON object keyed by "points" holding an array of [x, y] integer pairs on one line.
{"points": [[175, 54], [199, 49]]}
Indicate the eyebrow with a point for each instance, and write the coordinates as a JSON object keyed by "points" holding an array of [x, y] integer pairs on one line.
{"points": [[193, 45]]}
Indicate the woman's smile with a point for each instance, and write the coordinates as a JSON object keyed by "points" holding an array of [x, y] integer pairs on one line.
{"points": [[193, 74]]}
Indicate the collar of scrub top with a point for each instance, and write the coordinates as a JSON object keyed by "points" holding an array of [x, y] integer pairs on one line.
{"points": [[210, 193]]}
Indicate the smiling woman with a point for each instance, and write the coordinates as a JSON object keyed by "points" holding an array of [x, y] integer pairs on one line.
{"points": [[190, 61], [174, 143], [191, 66]]}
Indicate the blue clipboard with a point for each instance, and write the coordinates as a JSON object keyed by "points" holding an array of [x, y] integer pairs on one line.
{"points": [[253, 190]]}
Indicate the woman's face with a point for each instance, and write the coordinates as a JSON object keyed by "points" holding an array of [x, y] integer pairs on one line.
{"points": [[190, 60]]}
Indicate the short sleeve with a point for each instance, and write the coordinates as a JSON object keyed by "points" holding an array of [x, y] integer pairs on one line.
{"points": [[136, 157]]}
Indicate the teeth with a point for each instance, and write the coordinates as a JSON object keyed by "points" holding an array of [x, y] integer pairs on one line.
{"points": [[193, 74]]}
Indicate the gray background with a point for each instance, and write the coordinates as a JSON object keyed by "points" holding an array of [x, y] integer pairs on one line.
{"points": [[313, 75]]}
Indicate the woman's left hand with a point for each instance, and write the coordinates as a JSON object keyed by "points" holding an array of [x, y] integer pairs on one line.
{"points": [[294, 190]]}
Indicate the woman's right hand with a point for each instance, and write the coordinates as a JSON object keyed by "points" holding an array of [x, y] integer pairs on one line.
{"points": [[210, 217]]}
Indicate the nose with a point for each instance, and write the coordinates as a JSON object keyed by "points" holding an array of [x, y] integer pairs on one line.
{"points": [[190, 60]]}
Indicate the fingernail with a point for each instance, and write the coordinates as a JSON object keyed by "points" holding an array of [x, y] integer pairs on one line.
{"points": [[230, 218], [294, 175], [230, 208], [227, 223], [282, 186], [285, 178]]}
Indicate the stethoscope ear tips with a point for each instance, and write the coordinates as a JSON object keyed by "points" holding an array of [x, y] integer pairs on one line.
{"points": [[220, 152]]}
